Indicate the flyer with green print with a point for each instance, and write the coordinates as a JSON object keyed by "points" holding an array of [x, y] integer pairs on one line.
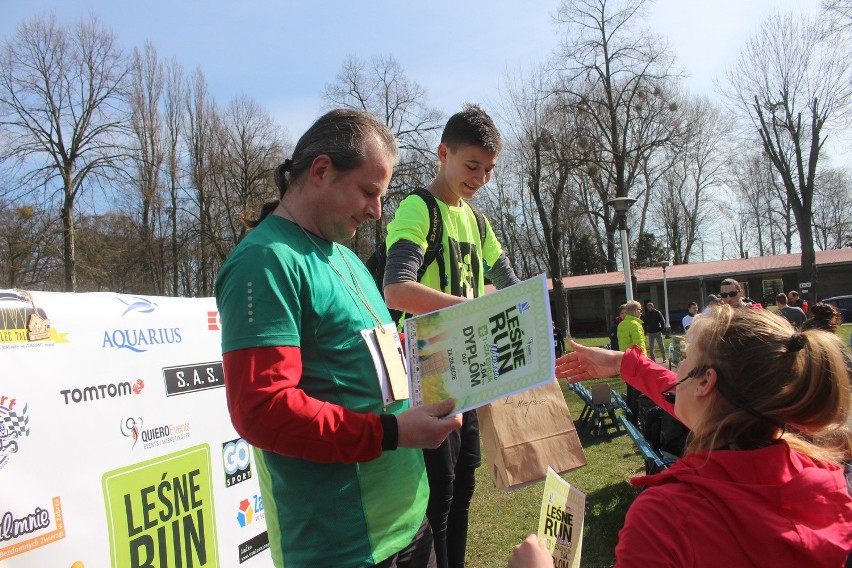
{"points": [[482, 350]]}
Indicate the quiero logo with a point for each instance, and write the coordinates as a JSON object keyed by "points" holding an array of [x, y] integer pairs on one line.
{"points": [[253, 546], [153, 437], [250, 510], [191, 378], [160, 512], [22, 531], [22, 322], [14, 426], [98, 392], [139, 339], [236, 459]]}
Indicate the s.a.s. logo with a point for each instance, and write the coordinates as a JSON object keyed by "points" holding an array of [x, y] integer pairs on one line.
{"points": [[236, 460]]}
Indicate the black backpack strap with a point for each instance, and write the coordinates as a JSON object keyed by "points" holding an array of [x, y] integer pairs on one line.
{"points": [[480, 224], [434, 236]]}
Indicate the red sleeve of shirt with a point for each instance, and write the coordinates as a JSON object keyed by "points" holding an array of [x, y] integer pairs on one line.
{"points": [[271, 412], [650, 378]]}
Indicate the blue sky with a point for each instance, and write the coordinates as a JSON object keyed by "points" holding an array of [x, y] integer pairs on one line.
{"points": [[282, 53]]}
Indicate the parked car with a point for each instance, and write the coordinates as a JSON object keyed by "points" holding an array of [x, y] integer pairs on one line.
{"points": [[842, 303]]}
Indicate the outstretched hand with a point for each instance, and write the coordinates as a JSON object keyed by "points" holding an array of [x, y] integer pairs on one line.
{"points": [[588, 363], [532, 553], [427, 426]]}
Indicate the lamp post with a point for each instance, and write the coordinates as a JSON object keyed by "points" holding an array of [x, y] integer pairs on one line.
{"points": [[666, 299], [621, 205]]}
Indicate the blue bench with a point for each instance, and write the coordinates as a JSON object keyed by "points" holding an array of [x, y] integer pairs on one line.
{"points": [[596, 415], [654, 460]]}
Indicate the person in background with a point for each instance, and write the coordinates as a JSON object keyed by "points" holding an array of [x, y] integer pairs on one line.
{"points": [[558, 341], [468, 152], [712, 301], [796, 301], [762, 481], [823, 316], [692, 311], [342, 474], [654, 323], [631, 334], [613, 333], [792, 314], [731, 293]]}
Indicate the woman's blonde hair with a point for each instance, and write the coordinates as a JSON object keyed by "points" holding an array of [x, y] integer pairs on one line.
{"points": [[771, 377]]}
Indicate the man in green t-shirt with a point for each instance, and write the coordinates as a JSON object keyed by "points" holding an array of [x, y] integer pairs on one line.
{"points": [[340, 471], [467, 154]]}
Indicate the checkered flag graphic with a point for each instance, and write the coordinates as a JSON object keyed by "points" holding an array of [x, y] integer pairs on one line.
{"points": [[17, 424]]}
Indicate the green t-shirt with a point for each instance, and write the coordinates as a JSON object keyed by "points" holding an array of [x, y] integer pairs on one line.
{"points": [[465, 257], [277, 289]]}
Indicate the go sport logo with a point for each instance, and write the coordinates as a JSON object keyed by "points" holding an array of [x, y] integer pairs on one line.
{"points": [[236, 460], [139, 339]]}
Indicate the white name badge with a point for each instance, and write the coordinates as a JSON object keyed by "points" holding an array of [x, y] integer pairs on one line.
{"points": [[386, 350]]}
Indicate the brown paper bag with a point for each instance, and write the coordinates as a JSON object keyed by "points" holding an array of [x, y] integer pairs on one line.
{"points": [[524, 433]]}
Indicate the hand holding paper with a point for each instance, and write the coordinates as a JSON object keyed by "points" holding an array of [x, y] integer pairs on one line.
{"points": [[427, 426]]}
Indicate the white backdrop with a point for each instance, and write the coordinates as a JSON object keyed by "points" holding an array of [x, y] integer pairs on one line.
{"points": [[116, 448]]}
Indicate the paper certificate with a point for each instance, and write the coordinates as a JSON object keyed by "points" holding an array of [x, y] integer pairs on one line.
{"points": [[563, 509], [482, 350]]}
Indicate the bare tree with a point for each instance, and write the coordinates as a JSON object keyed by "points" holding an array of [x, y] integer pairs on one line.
{"points": [[201, 132], [148, 156], [174, 118], [545, 154], [792, 83], [833, 209], [618, 80], [695, 166], [29, 247], [252, 145], [381, 87], [840, 14], [61, 93]]}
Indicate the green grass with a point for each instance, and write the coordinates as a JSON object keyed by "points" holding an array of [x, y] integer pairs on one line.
{"points": [[500, 520]]}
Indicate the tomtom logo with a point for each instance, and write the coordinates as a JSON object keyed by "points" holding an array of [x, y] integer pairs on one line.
{"points": [[98, 392], [236, 459]]}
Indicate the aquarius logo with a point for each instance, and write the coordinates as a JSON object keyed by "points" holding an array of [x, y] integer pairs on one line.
{"points": [[14, 425], [138, 304], [250, 510]]}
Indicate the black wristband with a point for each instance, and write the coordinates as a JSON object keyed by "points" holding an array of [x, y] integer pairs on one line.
{"points": [[390, 435]]}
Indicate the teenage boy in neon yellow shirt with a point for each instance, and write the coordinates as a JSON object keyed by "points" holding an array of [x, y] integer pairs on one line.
{"points": [[467, 154]]}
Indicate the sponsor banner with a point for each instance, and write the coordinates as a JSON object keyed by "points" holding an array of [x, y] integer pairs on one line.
{"points": [[99, 420], [160, 512], [254, 546], [26, 531]]}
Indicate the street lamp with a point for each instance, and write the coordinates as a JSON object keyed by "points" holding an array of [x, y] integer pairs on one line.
{"points": [[621, 205], [666, 299]]}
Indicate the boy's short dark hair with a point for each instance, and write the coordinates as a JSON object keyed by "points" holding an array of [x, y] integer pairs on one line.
{"points": [[472, 127]]}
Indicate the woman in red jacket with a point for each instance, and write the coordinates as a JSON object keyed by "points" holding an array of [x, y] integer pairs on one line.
{"points": [[761, 483]]}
